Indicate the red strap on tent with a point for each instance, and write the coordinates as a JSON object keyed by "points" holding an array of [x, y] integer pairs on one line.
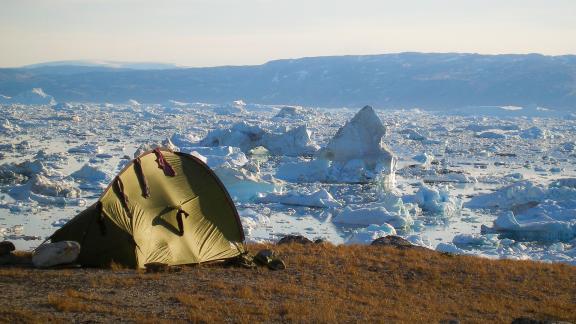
{"points": [[123, 197], [179, 220], [163, 164], [141, 178], [100, 219]]}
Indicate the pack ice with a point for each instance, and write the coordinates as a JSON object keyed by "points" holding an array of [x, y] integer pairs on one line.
{"points": [[497, 196]]}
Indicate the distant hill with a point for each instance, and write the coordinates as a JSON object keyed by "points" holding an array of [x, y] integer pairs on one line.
{"points": [[72, 67], [423, 80]]}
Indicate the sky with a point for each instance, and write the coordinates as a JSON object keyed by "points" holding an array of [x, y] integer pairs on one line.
{"points": [[243, 32]]}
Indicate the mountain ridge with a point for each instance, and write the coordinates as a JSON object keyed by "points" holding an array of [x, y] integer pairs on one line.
{"points": [[410, 79]]}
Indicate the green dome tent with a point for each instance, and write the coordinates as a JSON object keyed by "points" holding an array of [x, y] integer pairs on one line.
{"points": [[162, 207]]}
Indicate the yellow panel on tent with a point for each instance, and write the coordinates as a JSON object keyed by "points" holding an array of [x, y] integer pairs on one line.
{"points": [[163, 207]]}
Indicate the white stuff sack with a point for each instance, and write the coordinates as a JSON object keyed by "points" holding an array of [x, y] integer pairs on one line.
{"points": [[51, 254]]}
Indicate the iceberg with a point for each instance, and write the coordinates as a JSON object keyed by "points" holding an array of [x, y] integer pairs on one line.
{"points": [[368, 234], [492, 135], [92, 177], [355, 154], [36, 96], [437, 201], [240, 177], [44, 190], [534, 133], [235, 107], [412, 134], [294, 142], [389, 209], [86, 148], [292, 112], [425, 159], [319, 199], [360, 137], [533, 212], [517, 194], [9, 128]]}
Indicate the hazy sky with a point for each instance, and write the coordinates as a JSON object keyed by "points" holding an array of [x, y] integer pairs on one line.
{"points": [[222, 32]]}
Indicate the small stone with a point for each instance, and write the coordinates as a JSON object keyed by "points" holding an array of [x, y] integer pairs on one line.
{"points": [[154, 267], [394, 241], [6, 247]]}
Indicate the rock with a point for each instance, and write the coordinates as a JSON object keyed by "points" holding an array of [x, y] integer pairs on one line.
{"points": [[276, 264], [6, 247], [449, 321], [394, 241], [298, 239], [52, 254]]}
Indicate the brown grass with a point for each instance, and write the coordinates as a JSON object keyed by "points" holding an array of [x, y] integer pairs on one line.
{"points": [[322, 283]]}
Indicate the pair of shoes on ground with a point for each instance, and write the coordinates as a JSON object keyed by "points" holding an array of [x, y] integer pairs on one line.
{"points": [[269, 259]]}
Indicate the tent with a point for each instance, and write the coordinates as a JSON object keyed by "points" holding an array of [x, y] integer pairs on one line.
{"points": [[166, 207]]}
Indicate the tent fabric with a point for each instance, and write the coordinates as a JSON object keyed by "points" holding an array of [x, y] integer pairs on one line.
{"points": [[166, 207]]}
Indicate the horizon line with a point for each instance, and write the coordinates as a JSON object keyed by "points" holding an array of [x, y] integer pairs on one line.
{"points": [[176, 65]]}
